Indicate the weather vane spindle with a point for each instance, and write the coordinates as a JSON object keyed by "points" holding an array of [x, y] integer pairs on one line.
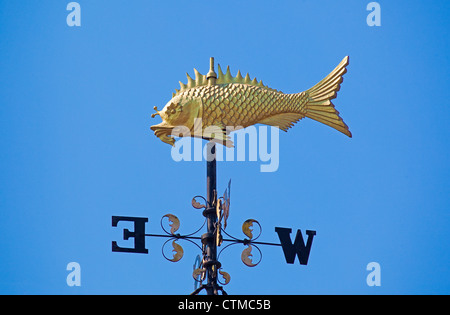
{"points": [[209, 239]]}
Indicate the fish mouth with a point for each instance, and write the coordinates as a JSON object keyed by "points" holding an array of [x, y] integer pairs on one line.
{"points": [[162, 131]]}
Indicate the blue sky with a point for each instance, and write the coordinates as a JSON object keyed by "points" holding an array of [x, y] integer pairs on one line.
{"points": [[76, 148]]}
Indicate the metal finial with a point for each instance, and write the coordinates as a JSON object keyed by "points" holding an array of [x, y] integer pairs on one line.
{"points": [[212, 75]]}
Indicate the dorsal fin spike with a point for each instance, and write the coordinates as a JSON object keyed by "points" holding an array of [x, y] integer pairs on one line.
{"points": [[228, 77], [190, 82], [254, 82], [197, 74], [239, 78], [247, 79], [220, 78], [199, 78], [219, 68], [182, 86]]}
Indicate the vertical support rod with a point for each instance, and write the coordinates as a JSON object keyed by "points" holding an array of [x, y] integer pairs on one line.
{"points": [[211, 173], [209, 239], [211, 220]]}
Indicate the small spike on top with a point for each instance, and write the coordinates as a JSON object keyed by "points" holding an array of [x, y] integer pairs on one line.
{"points": [[239, 77], [190, 81], [199, 78], [221, 75]]}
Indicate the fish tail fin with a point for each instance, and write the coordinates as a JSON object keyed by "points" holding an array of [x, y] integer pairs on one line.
{"points": [[319, 106]]}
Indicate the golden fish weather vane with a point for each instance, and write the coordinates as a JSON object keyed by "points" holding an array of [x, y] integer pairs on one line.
{"points": [[231, 103]]}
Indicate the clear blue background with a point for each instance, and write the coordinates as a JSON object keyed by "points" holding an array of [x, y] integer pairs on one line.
{"points": [[76, 149]]}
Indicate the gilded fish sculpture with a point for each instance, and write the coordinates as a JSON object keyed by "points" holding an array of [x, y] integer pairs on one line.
{"points": [[230, 103]]}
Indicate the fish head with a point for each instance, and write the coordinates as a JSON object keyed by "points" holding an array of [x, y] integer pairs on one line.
{"points": [[180, 111]]}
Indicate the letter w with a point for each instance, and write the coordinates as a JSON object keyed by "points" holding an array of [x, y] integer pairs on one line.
{"points": [[298, 248]]}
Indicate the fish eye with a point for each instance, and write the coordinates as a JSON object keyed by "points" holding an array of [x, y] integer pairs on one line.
{"points": [[172, 108]]}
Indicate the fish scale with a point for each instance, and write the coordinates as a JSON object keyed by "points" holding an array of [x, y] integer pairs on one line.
{"points": [[248, 105]]}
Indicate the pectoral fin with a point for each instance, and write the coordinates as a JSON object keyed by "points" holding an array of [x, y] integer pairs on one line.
{"points": [[217, 134], [223, 139]]}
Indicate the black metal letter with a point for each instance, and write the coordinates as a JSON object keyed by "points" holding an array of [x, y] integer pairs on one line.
{"points": [[298, 248], [138, 235]]}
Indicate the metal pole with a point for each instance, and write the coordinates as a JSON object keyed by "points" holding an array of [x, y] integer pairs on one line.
{"points": [[209, 239]]}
